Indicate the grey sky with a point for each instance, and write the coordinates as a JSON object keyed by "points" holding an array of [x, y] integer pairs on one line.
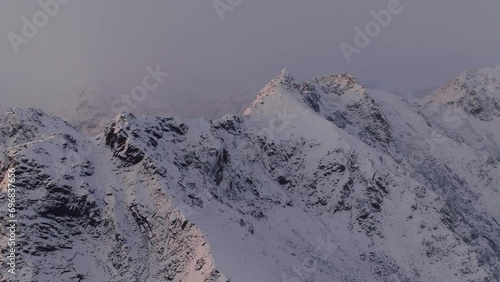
{"points": [[210, 61]]}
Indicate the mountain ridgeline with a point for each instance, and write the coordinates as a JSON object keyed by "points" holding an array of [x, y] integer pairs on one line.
{"points": [[322, 180]]}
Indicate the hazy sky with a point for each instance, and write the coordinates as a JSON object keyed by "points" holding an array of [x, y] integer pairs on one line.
{"points": [[95, 42]]}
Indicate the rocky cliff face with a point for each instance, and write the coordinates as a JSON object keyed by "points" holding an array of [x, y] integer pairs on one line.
{"points": [[317, 181]]}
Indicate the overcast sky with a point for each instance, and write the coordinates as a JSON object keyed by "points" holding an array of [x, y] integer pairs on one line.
{"points": [[95, 42]]}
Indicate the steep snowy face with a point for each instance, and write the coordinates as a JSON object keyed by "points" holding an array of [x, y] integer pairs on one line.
{"points": [[317, 181], [468, 109], [277, 95], [286, 198], [477, 92], [81, 218], [279, 112], [338, 98], [442, 150], [346, 103]]}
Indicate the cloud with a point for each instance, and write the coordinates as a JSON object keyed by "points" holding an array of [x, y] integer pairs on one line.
{"points": [[92, 42]]}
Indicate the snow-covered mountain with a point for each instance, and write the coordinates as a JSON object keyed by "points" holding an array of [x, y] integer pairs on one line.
{"points": [[321, 180], [476, 92]]}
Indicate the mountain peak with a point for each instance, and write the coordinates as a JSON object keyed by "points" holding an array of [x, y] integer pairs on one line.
{"points": [[476, 91], [275, 97], [341, 84], [29, 116], [280, 87], [471, 82], [284, 72], [19, 126], [284, 80]]}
